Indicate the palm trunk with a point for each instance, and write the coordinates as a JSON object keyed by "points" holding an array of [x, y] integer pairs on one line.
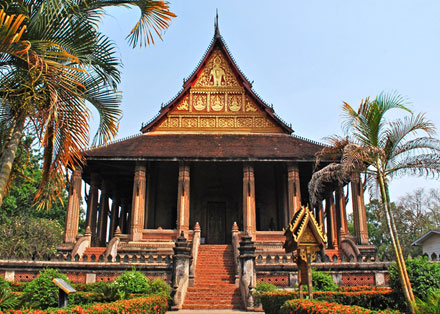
{"points": [[8, 155], [400, 260]]}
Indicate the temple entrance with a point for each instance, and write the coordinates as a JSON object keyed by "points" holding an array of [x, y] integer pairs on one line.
{"points": [[216, 227]]}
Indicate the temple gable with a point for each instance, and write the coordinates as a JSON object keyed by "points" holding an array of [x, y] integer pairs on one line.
{"points": [[216, 101]]}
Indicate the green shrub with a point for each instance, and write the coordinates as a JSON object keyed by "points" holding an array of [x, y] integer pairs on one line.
{"points": [[272, 301], [132, 282], [263, 287], [323, 281], [17, 286], [159, 286], [8, 300], [430, 306], [98, 286], [423, 275], [42, 292], [83, 298], [4, 284]]}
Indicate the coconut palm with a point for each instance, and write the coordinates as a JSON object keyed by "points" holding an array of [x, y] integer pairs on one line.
{"points": [[381, 149], [54, 62]]}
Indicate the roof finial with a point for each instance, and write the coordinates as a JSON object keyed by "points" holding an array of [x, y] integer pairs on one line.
{"points": [[216, 30]]}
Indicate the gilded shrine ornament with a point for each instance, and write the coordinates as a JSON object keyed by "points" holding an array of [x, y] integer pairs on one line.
{"points": [[304, 237]]}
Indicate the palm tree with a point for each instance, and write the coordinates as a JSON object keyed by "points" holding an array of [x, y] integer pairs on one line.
{"points": [[54, 62], [382, 149]]}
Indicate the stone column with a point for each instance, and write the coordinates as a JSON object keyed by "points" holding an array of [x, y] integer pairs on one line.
{"points": [[103, 215], [138, 203], [359, 212], [114, 220], [331, 222], [341, 213], [249, 215], [183, 194], [72, 217], [92, 205], [293, 189]]}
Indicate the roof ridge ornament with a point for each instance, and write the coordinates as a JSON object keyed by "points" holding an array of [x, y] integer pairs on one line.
{"points": [[216, 29]]}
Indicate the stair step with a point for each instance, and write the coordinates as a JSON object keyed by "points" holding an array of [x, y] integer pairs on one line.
{"points": [[214, 286]]}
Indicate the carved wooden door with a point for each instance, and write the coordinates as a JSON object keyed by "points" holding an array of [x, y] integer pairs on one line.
{"points": [[216, 215]]}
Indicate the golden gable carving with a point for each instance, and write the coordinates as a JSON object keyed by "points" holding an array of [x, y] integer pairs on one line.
{"points": [[217, 72], [216, 102]]}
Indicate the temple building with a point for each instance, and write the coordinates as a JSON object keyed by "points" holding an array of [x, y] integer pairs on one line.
{"points": [[214, 155]]}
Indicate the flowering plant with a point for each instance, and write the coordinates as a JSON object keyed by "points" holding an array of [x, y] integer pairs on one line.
{"points": [[324, 307]]}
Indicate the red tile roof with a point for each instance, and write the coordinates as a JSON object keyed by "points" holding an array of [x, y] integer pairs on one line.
{"points": [[209, 146]]}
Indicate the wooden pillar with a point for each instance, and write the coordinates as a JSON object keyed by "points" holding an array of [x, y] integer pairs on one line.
{"points": [[123, 216], [359, 212], [183, 201], [148, 196], [249, 215], [319, 215], [138, 203], [293, 189], [74, 202], [114, 220], [103, 216], [341, 213], [92, 205], [331, 222]]}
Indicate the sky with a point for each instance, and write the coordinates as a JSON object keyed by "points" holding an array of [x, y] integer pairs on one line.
{"points": [[304, 57]]}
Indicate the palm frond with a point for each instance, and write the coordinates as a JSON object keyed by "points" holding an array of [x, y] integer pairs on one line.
{"points": [[420, 165], [155, 17]]}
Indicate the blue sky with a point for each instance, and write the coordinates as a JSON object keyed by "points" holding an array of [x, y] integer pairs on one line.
{"points": [[305, 58]]}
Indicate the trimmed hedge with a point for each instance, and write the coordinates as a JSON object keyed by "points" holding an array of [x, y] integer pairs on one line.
{"points": [[378, 300], [157, 304], [323, 307]]}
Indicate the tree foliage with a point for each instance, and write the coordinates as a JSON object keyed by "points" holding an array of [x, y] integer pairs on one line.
{"points": [[413, 215], [55, 62], [381, 149], [25, 236], [23, 186]]}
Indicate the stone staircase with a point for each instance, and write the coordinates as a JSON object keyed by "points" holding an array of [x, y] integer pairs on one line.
{"points": [[214, 286]]}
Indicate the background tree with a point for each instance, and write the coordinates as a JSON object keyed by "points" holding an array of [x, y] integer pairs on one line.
{"points": [[381, 149], [412, 216]]}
